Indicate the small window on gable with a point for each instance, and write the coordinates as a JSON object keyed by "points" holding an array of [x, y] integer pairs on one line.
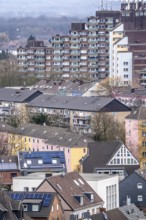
{"points": [[139, 185], [25, 208], [140, 198]]}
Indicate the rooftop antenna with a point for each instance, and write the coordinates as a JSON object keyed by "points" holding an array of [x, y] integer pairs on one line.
{"points": [[111, 6], [106, 6], [101, 5]]}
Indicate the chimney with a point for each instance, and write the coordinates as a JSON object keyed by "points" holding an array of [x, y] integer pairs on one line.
{"points": [[128, 200]]}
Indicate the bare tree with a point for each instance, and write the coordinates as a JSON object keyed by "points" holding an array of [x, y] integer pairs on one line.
{"points": [[106, 128]]}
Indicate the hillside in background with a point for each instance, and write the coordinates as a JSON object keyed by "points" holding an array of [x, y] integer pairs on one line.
{"points": [[42, 27]]}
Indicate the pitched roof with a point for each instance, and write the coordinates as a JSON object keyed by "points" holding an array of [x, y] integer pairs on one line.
{"points": [[89, 104], [46, 200], [6, 206], [127, 212], [139, 114], [53, 135], [141, 173], [8, 163], [100, 153], [46, 158], [70, 185], [17, 95]]}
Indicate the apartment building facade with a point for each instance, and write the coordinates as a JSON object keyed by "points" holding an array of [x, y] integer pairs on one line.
{"points": [[34, 58], [84, 52]]}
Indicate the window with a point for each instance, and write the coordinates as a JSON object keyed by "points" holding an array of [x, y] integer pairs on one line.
{"points": [[40, 162], [38, 141], [144, 144], [54, 161], [144, 133], [24, 208], [139, 185], [144, 124], [125, 63], [33, 188], [13, 175], [126, 76], [140, 198], [28, 161], [125, 69], [35, 208], [26, 189], [84, 150]]}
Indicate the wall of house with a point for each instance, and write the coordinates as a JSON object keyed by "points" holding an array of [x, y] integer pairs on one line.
{"points": [[142, 143], [76, 154], [6, 177], [129, 188], [20, 183], [131, 136], [111, 199], [46, 187], [57, 211]]}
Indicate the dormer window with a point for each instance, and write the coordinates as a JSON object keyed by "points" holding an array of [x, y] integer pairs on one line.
{"points": [[28, 161], [35, 208], [54, 161], [79, 199], [90, 196], [40, 162]]}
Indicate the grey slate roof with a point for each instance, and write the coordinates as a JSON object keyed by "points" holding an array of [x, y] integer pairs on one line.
{"points": [[53, 87], [99, 154], [89, 104], [127, 212], [53, 135], [8, 163], [139, 114], [141, 173], [16, 95], [4, 127], [5, 202], [101, 150]]}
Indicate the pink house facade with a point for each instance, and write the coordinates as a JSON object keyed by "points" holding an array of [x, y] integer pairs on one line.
{"points": [[41, 145], [131, 135]]}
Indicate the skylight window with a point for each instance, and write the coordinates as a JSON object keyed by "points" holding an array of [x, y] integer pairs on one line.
{"points": [[81, 181], [70, 139], [54, 161], [44, 132], [59, 186], [76, 183], [28, 161], [40, 162]]}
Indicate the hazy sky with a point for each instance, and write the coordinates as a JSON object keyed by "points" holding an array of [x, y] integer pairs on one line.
{"points": [[53, 7]]}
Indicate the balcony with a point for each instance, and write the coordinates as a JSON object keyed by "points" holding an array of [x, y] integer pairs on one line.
{"points": [[83, 117]]}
